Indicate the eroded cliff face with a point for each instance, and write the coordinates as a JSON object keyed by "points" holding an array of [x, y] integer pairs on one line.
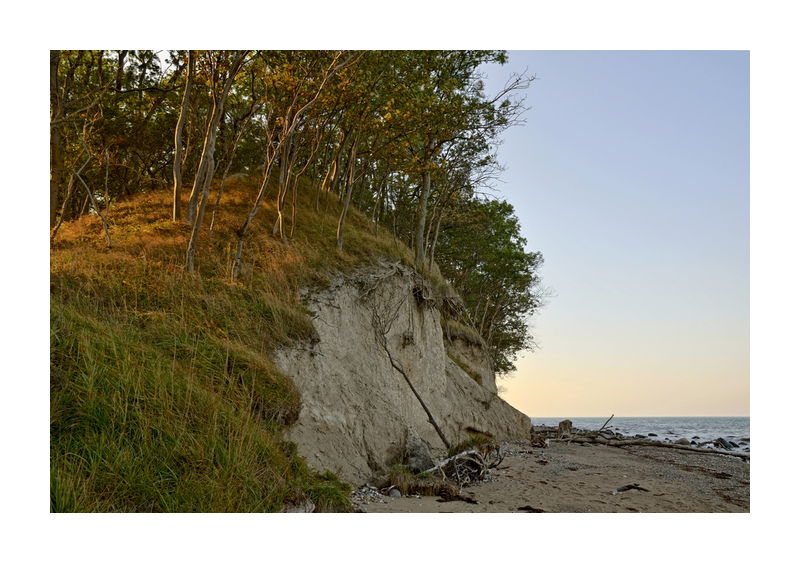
{"points": [[359, 414]]}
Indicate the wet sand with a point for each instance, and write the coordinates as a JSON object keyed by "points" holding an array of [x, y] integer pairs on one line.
{"points": [[582, 478]]}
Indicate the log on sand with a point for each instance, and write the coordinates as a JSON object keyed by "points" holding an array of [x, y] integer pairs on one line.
{"points": [[621, 443]]}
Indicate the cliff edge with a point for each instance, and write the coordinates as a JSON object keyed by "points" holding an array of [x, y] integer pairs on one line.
{"points": [[377, 356]]}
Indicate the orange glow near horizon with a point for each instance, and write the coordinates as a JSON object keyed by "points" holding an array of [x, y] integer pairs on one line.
{"points": [[549, 384]]}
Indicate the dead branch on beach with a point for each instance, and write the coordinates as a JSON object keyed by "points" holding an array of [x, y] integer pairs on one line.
{"points": [[468, 467], [597, 438], [606, 423]]}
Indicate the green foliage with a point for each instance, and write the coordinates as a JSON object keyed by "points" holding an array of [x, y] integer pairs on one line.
{"points": [[163, 394], [483, 255]]}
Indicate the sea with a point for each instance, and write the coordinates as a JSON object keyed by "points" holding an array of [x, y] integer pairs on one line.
{"points": [[698, 428]]}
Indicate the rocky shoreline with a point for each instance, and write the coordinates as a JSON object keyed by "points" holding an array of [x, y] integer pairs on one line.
{"points": [[563, 473]]}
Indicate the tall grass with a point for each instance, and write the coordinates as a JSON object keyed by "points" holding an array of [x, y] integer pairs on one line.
{"points": [[163, 393]]}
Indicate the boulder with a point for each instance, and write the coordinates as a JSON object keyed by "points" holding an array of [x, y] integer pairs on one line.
{"points": [[723, 443], [418, 454], [565, 429]]}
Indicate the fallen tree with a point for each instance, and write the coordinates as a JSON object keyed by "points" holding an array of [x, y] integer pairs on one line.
{"points": [[597, 438]]}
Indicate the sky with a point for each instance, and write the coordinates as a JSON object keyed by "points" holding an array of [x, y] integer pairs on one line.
{"points": [[631, 176]]}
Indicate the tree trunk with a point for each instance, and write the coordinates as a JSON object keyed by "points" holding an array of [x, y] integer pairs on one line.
{"points": [[348, 194], [56, 140], [435, 238], [283, 185], [176, 165], [192, 246], [204, 172], [422, 215]]}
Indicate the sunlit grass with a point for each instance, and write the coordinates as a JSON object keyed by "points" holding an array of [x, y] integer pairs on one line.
{"points": [[164, 396]]}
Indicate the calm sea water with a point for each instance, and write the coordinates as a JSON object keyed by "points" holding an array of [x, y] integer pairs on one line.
{"points": [[697, 428]]}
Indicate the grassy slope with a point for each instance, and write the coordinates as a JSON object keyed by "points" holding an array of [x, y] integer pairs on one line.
{"points": [[163, 394]]}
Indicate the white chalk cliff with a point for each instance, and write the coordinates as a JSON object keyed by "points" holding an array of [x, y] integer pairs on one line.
{"points": [[359, 414]]}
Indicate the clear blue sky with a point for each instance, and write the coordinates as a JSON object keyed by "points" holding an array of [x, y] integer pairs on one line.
{"points": [[632, 177]]}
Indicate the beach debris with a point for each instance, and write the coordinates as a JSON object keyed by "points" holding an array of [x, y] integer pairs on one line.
{"points": [[462, 498], [539, 441], [564, 429], [597, 438], [634, 486], [606, 422], [529, 508], [471, 466], [723, 443]]}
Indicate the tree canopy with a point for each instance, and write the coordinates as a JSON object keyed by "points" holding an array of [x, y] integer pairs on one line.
{"points": [[408, 137]]}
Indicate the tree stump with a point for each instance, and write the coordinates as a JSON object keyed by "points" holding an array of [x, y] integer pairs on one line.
{"points": [[565, 429]]}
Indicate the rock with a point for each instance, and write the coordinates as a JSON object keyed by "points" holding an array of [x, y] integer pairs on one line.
{"points": [[302, 508], [695, 437], [639, 436], [734, 444], [418, 454], [565, 429], [651, 434], [693, 443], [682, 442], [723, 443], [394, 493]]}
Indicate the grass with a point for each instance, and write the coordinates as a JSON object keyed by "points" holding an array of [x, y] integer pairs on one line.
{"points": [[475, 376], [409, 483], [475, 442], [163, 394], [454, 329]]}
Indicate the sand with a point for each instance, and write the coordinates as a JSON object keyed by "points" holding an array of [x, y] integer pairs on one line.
{"points": [[581, 478]]}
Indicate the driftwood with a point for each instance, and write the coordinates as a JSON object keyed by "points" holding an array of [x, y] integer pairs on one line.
{"points": [[468, 467], [634, 486], [596, 438], [606, 423]]}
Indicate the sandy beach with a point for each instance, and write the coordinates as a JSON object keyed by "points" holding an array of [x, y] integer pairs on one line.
{"points": [[584, 478]]}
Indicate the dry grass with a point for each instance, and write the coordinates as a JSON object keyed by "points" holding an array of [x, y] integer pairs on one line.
{"points": [[408, 483], [163, 393]]}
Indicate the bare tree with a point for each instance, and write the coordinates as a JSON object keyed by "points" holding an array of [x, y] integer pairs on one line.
{"points": [[205, 170], [176, 166]]}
